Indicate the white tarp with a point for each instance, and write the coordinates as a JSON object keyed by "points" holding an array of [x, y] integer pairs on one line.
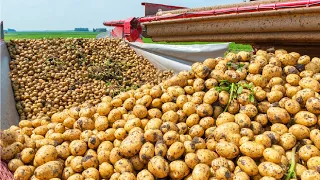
{"points": [[8, 112], [178, 57]]}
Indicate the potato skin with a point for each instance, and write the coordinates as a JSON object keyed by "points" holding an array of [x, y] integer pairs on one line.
{"points": [[270, 169], [278, 115], [310, 175], [252, 149], [132, 144], [23, 173], [27, 155], [145, 175], [248, 165], [159, 167], [201, 172], [175, 151], [146, 152], [227, 150], [305, 118], [314, 163], [313, 105], [52, 169], [178, 169], [45, 154], [105, 170]]}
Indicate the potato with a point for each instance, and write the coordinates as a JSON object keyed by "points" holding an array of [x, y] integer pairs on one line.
{"points": [[160, 148], [227, 150], [178, 169], [247, 165], [14, 164], [104, 108], [145, 175], [308, 151], [313, 105], [76, 164], [153, 123], [89, 161], [67, 172], [274, 96], [204, 110], [252, 149], [226, 128], [241, 176], [264, 140], [242, 120], [303, 95], [192, 120], [175, 151], [200, 172], [114, 115], [146, 152], [272, 155], [189, 108], [300, 169], [224, 97], [159, 167], [287, 141], [191, 160], [314, 163], [132, 144], [27, 155], [127, 176], [23, 173], [84, 123], [123, 165], [299, 131], [247, 132], [67, 163], [310, 175], [249, 109], [71, 134], [76, 176], [153, 135], [137, 164], [270, 169], [105, 170], [305, 118], [45, 154], [48, 170], [224, 118], [170, 137], [206, 156], [196, 131], [170, 116], [78, 147], [169, 106], [309, 83], [292, 106], [183, 128], [278, 115], [101, 123]]}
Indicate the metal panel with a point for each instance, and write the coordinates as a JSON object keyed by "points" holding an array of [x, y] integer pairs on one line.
{"points": [[8, 115]]}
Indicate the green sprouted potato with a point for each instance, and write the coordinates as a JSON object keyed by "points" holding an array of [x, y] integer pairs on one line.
{"points": [[234, 89]]}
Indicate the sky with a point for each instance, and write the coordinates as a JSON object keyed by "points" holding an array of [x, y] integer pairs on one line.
{"points": [[68, 14]]}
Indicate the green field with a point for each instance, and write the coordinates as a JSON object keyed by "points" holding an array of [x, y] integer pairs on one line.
{"points": [[71, 34], [48, 34]]}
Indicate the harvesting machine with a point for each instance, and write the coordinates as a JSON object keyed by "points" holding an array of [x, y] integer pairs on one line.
{"points": [[290, 24]]}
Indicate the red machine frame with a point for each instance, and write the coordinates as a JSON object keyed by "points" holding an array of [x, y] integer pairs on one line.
{"points": [[131, 28]]}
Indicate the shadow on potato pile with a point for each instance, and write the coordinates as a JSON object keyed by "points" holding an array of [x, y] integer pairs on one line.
{"points": [[50, 75], [240, 117]]}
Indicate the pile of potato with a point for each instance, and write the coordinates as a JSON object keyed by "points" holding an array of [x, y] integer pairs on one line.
{"points": [[240, 117], [50, 75]]}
